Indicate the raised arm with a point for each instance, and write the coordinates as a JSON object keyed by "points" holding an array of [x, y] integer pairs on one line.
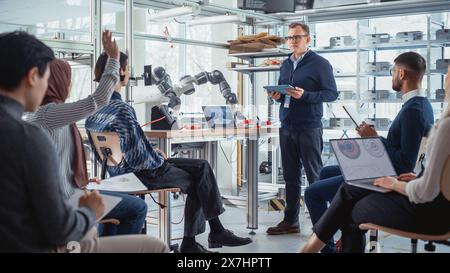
{"points": [[53, 116]]}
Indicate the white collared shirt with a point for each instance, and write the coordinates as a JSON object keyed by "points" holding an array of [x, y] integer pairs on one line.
{"points": [[411, 94], [296, 62]]}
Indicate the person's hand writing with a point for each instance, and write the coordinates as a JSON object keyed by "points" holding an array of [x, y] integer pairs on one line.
{"points": [[94, 201], [366, 130]]}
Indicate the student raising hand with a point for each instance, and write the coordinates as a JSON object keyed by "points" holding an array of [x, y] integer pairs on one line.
{"points": [[110, 45]]}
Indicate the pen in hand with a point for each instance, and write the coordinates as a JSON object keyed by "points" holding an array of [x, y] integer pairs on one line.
{"points": [[92, 200]]}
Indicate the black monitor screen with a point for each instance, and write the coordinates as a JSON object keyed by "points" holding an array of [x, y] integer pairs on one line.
{"points": [[269, 6], [280, 6], [252, 4]]}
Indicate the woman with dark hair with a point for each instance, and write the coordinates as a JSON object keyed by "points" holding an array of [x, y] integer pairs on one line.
{"points": [[58, 118]]}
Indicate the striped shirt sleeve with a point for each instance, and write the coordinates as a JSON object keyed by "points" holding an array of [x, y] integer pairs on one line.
{"points": [[53, 116]]}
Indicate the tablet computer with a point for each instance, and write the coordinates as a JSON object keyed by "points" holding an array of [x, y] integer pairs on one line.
{"points": [[278, 88]]}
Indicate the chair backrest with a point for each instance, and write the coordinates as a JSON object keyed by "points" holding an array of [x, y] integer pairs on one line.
{"points": [[445, 179], [422, 150], [111, 141]]}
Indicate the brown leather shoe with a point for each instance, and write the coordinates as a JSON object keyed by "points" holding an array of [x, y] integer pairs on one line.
{"points": [[284, 228]]}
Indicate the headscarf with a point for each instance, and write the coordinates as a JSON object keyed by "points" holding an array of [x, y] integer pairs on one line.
{"points": [[57, 92]]}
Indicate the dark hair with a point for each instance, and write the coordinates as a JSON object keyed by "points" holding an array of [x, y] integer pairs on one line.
{"points": [[101, 63], [20, 52], [305, 27], [413, 61]]}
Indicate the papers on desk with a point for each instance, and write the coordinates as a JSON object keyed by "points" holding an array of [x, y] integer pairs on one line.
{"points": [[121, 183], [109, 201]]}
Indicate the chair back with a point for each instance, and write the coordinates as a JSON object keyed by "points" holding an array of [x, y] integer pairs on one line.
{"points": [[110, 141], [422, 152]]}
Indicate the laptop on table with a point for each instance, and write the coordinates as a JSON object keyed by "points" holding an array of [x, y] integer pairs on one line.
{"points": [[362, 160], [219, 117]]}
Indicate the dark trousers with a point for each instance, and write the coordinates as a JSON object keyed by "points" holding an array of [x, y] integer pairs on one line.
{"points": [[353, 206], [196, 178], [299, 149]]}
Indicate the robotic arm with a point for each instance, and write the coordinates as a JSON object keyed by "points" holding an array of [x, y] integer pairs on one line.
{"points": [[215, 77], [170, 93], [165, 86]]}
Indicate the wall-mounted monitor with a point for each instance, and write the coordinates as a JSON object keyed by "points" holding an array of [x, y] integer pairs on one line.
{"points": [[268, 6]]}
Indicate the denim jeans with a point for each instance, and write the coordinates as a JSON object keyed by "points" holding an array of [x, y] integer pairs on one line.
{"points": [[318, 194], [131, 212]]}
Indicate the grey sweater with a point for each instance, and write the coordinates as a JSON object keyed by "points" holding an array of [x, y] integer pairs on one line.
{"points": [[34, 216]]}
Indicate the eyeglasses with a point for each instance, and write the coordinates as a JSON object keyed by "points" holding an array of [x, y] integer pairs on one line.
{"points": [[391, 71], [295, 37]]}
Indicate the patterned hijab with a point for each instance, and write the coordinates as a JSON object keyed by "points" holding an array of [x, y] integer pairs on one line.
{"points": [[58, 92]]}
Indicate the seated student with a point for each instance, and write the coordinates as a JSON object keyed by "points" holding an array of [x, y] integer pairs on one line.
{"points": [[35, 217], [194, 177], [416, 206], [403, 140], [58, 118]]}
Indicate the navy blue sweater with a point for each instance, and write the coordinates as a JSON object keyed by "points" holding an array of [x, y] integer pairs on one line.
{"points": [[413, 122], [315, 75]]}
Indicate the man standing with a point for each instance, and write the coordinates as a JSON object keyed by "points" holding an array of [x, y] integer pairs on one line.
{"points": [[301, 111]]}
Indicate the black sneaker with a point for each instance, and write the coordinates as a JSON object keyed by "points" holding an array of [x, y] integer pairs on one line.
{"points": [[197, 248], [226, 238]]}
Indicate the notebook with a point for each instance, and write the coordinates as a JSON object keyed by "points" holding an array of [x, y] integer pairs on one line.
{"points": [[127, 183], [109, 201]]}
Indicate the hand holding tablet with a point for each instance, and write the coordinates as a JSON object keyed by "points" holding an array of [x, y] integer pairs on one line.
{"points": [[278, 88]]}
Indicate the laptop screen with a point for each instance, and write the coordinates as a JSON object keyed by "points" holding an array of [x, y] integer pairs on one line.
{"points": [[362, 158], [219, 116]]}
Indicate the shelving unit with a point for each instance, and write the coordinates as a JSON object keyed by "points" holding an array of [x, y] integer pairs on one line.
{"points": [[364, 53]]}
